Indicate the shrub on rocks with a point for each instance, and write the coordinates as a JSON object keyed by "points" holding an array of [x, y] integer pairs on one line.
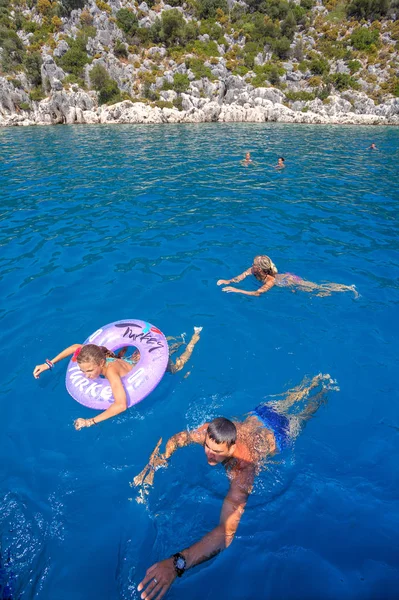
{"points": [[369, 10], [163, 104], [354, 66], [268, 72], [180, 83], [120, 49], [172, 29], [75, 58], [288, 26], [207, 8], [204, 49], [319, 66], [198, 68], [86, 18], [363, 38], [36, 94], [67, 6], [13, 50], [211, 28], [281, 47], [303, 96], [343, 81], [33, 63], [127, 21], [102, 83], [103, 6]]}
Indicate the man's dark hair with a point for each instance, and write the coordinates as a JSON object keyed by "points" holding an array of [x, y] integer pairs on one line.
{"points": [[283, 159], [222, 431]]}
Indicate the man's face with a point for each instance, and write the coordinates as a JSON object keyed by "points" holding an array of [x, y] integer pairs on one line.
{"points": [[217, 453]]}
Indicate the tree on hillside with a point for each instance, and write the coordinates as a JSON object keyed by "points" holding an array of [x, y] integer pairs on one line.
{"points": [[368, 9]]}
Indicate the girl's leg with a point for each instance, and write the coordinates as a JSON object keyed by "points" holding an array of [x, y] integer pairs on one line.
{"points": [[176, 345], [182, 360]]}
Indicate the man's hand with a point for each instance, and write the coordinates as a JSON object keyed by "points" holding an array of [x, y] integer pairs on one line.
{"points": [[223, 282], [159, 461], [230, 289], [158, 580]]}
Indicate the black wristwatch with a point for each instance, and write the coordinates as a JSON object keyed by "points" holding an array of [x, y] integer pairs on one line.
{"points": [[179, 563]]}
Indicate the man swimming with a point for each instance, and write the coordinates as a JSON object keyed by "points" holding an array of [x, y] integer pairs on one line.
{"points": [[280, 163], [247, 160], [242, 448]]}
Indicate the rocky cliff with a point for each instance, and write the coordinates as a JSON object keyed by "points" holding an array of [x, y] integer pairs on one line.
{"points": [[120, 62]]}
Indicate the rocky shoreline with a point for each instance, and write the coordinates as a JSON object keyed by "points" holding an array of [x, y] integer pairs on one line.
{"points": [[89, 67], [256, 105]]}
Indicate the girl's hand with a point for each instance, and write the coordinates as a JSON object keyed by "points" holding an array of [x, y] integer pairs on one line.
{"points": [[80, 423], [39, 369], [223, 282], [230, 289]]}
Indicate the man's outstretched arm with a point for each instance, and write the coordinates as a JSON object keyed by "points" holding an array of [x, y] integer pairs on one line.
{"points": [[160, 576], [179, 440]]}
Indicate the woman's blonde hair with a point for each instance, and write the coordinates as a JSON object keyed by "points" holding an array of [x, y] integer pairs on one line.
{"points": [[266, 264]]}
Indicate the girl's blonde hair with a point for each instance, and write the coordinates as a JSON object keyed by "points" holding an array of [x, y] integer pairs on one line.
{"points": [[94, 353]]}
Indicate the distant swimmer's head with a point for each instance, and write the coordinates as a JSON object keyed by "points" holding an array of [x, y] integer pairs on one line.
{"points": [[91, 359], [281, 160], [264, 265], [248, 156], [220, 440], [373, 146]]}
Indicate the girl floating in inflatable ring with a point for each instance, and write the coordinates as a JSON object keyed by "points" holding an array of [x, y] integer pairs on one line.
{"points": [[96, 361], [265, 271]]}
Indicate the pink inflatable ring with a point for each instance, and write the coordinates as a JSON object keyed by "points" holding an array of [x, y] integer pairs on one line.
{"points": [[140, 381]]}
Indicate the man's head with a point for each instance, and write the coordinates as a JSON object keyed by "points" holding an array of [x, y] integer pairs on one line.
{"points": [[281, 160], [220, 440]]}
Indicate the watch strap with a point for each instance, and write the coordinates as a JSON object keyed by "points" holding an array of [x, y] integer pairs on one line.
{"points": [[179, 570]]}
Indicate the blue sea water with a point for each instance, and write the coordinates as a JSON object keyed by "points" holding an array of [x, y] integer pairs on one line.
{"points": [[106, 223]]}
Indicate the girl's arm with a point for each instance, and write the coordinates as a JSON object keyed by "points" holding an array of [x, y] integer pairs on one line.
{"points": [[235, 279], [119, 405], [45, 367], [270, 282]]}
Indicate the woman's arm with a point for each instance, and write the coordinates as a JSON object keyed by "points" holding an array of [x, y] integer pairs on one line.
{"points": [[119, 405], [45, 367], [235, 279], [270, 282]]}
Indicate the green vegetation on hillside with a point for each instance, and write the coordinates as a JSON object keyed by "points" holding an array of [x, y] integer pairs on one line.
{"points": [[254, 41]]}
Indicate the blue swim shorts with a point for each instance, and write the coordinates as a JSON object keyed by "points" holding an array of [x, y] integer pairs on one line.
{"points": [[275, 421]]}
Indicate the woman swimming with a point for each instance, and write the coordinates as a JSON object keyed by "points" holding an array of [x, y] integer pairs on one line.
{"points": [[97, 361], [266, 272], [247, 160]]}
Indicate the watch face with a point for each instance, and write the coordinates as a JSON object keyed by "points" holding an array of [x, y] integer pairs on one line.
{"points": [[180, 563]]}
